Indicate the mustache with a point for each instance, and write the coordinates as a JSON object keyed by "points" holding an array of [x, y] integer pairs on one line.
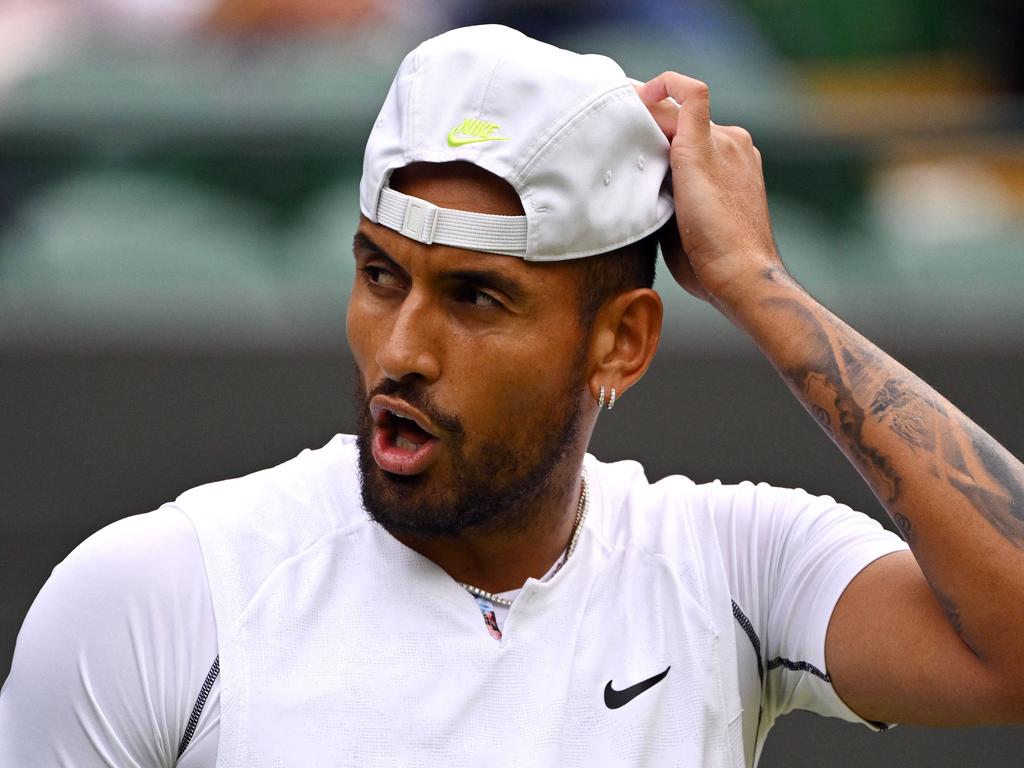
{"points": [[420, 399]]}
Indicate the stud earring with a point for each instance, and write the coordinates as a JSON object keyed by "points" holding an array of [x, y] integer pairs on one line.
{"points": [[611, 401], [600, 399]]}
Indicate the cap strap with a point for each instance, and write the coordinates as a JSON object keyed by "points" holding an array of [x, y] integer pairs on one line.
{"points": [[428, 223]]}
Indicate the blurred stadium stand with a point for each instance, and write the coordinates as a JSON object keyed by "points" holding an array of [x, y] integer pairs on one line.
{"points": [[175, 224]]}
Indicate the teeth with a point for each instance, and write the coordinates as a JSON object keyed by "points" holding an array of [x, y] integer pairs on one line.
{"points": [[405, 445]]}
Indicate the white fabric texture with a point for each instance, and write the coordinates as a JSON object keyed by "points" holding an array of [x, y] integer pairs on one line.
{"points": [[113, 653], [316, 607], [567, 131], [427, 223]]}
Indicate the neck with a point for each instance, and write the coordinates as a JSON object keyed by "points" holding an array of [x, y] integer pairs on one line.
{"points": [[501, 559]]}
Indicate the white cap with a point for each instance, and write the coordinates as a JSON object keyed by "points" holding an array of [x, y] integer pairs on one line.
{"points": [[567, 131]]}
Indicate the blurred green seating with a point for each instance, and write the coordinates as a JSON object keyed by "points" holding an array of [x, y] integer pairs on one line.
{"points": [[851, 29], [316, 265], [128, 253], [125, 101], [951, 294], [751, 87], [163, 237], [980, 276]]}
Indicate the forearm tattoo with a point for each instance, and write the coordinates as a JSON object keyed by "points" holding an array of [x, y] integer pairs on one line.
{"points": [[852, 388]]}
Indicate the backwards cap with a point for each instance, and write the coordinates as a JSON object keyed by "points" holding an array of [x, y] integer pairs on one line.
{"points": [[567, 131]]}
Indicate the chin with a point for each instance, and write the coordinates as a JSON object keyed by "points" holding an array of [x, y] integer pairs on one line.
{"points": [[495, 483], [406, 503]]}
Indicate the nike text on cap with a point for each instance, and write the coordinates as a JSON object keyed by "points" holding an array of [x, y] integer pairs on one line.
{"points": [[567, 131]]}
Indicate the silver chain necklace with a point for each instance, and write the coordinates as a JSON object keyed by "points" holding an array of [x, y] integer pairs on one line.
{"points": [[581, 514]]}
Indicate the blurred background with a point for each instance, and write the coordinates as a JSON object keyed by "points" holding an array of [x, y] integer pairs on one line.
{"points": [[178, 192]]}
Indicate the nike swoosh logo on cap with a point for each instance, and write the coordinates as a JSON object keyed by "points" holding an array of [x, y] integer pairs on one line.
{"points": [[455, 140], [473, 130], [614, 699]]}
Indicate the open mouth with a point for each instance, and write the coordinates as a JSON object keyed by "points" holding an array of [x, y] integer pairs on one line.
{"points": [[402, 441], [403, 432]]}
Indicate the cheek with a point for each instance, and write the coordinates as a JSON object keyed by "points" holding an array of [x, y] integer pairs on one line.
{"points": [[360, 332], [516, 393]]}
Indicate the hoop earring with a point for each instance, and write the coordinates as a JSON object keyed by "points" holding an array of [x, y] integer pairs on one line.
{"points": [[600, 399], [611, 401]]}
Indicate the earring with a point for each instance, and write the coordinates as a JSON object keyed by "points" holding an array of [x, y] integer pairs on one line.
{"points": [[600, 398], [611, 401]]}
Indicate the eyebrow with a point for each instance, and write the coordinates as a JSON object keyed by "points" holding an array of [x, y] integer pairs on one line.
{"points": [[362, 245]]}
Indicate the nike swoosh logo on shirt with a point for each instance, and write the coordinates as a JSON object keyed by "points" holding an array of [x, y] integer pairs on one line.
{"points": [[614, 699]]}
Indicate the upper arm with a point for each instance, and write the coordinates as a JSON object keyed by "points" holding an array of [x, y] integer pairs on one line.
{"points": [[105, 661], [894, 656]]}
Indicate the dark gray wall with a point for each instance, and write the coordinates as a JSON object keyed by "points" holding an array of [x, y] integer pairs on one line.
{"points": [[92, 437]]}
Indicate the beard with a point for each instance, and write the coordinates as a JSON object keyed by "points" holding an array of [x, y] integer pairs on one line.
{"points": [[487, 488]]}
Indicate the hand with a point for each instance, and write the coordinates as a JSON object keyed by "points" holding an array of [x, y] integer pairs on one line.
{"points": [[721, 238]]}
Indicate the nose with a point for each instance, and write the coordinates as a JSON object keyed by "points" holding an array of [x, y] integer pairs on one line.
{"points": [[409, 345]]}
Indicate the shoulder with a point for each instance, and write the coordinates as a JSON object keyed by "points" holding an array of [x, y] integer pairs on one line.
{"points": [[667, 514], [322, 479], [251, 527], [151, 559], [720, 512], [635, 509], [758, 532], [113, 643], [283, 509]]}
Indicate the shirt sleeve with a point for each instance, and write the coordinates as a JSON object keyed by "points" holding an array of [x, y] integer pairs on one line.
{"points": [[789, 556], [113, 652]]}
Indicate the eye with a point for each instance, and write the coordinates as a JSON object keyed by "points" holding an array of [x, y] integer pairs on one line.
{"points": [[381, 277], [479, 298]]}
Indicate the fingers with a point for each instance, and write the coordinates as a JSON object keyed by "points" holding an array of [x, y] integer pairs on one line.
{"points": [[666, 115], [665, 111], [693, 123], [680, 105]]}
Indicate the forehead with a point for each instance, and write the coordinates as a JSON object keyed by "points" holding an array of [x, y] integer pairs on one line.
{"points": [[466, 187]]}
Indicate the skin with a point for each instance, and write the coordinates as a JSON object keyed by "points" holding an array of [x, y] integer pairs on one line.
{"points": [[930, 637], [500, 361]]}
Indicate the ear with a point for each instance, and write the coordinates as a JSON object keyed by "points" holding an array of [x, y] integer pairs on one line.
{"points": [[623, 341]]}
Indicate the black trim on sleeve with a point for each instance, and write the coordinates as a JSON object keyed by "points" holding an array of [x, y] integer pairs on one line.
{"points": [[755, 641], [747, 627], [779, 661], [197, 709], [798, 666]]}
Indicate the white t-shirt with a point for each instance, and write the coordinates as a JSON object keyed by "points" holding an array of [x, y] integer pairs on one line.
{"points": [[331, 633]]}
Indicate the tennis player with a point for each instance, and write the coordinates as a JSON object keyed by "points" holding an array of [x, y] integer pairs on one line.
{"points": [[460, 583]]}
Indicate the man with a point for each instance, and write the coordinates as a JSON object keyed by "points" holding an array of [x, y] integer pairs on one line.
{"points": [[460, 581]]}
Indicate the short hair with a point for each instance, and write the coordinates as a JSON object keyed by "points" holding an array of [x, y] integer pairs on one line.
{"points": [[606, 275]]}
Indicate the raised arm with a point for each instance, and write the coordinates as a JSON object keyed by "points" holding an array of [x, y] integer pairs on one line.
{"points": [[933, 638]]}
